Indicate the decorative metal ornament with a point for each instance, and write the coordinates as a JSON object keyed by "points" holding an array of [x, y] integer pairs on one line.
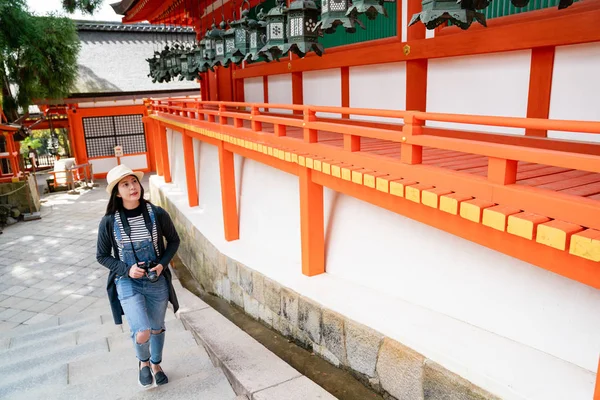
{"points": [[371, 8], [241, 37], [334, 13], [208, 51], [229, 41], [276, 33], [461, 13], [302, 35], [257, 37], [218, 42]]}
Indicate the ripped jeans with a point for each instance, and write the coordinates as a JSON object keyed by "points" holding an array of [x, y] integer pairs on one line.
{"points": [[145, 305]]}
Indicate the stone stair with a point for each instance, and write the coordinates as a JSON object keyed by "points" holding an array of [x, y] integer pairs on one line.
{"points": [[87, 356]]}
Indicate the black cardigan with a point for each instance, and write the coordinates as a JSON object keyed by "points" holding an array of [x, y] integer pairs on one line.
{"points": [[107, 254]]}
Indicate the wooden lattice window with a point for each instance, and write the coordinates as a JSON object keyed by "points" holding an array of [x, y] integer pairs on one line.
{"points": [[102, 134]]}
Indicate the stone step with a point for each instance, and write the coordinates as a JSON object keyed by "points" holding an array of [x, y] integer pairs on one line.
{"points": [[47, 369], [80, 333], [207, 385], [32, 332], [187, 373], [177, 346]]}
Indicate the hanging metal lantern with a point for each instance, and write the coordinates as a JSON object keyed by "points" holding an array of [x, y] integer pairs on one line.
{"points": [[276, 32], [208, 51], [241, 37], [371, 8], [184, 66], [460, 13], [218, 42], [257, 37], [334, 13], [229, 41], [302, 35]]}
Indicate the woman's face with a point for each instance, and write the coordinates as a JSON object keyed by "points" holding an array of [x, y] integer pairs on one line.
{"points": [[129, 189]]}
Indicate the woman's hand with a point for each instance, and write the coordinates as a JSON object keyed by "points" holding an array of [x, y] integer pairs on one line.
{"points": [[159, 269], [136, 272]]}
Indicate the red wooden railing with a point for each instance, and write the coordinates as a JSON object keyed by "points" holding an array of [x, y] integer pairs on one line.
{"points": [[402, 158]]}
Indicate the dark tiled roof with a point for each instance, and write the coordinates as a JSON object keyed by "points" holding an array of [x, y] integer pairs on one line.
{"points": [[119, 27]]}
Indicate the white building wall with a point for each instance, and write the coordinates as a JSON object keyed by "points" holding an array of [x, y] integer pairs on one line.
{"points": [[254, 90], [575, 88], [280, 91], [323, 88], [378, 86], [488, 84], [512, 328]]}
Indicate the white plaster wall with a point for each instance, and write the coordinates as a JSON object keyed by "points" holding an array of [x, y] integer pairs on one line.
{"points": [[575, 88], [405, 19], [378, 86], [254, 90], [512, 328], [323, 88], [103, 165], [280, 91], [138, 161], [488, 84], [176, 161]]}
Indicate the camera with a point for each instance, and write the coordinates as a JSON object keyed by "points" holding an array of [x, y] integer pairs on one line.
{"points": [[147, 266]]}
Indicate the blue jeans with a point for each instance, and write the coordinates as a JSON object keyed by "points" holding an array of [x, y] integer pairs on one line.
{"points": [[145, 305]]}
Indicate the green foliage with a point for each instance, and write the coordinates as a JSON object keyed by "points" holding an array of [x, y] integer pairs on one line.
{"points": [[38, 55], [35, 143], [85, 6]]}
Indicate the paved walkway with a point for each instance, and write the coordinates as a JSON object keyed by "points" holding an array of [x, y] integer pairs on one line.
{"points": [[48, 266], [56, 325]]}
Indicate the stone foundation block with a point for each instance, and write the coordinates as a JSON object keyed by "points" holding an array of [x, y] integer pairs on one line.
{"points": [[251, 306], [237, 295], [265, 315], [439, 383], [310, 318], [258, 287], [272, 294], [400, 370], [327, 355], [222, 265], [332, 335], [245, 275], [362, 347], [232, 271], [289, 306]]}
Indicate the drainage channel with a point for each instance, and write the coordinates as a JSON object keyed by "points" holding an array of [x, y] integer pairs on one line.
{"points": [[336, 381]]}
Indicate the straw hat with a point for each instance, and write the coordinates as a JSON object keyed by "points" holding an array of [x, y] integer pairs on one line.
{"points": [[119, 172]]}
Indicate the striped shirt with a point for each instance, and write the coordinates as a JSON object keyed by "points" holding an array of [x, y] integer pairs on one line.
{"points": [[138, 229]]}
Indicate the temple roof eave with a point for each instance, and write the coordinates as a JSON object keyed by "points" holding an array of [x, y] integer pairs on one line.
{"points": [[123, 6]]}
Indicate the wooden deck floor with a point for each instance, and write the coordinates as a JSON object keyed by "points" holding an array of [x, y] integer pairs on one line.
{"points": [[562, 180]]}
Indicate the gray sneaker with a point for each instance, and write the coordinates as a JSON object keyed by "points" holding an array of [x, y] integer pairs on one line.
{"points": [[145, 377]]}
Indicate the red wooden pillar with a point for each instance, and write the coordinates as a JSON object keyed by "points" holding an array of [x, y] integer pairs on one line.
{"points": [[164, 152], [190, 169], [540, 87], [416, 70], [311, 224], [345, 72], [157, 148], [297, 90], [228, 194]]}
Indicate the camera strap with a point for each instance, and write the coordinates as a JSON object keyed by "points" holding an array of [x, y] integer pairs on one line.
{"points": [[127, 227]]}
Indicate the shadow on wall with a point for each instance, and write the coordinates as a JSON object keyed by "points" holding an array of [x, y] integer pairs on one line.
{"points": [[88, 81]]}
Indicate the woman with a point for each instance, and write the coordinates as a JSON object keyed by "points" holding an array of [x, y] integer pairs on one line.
{"points": [[131, 246]]}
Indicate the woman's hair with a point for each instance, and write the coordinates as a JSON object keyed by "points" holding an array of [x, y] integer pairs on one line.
{"points": [[115, 203]]}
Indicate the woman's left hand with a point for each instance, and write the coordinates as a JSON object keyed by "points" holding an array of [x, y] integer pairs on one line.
{"points": [[159, 269]]}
